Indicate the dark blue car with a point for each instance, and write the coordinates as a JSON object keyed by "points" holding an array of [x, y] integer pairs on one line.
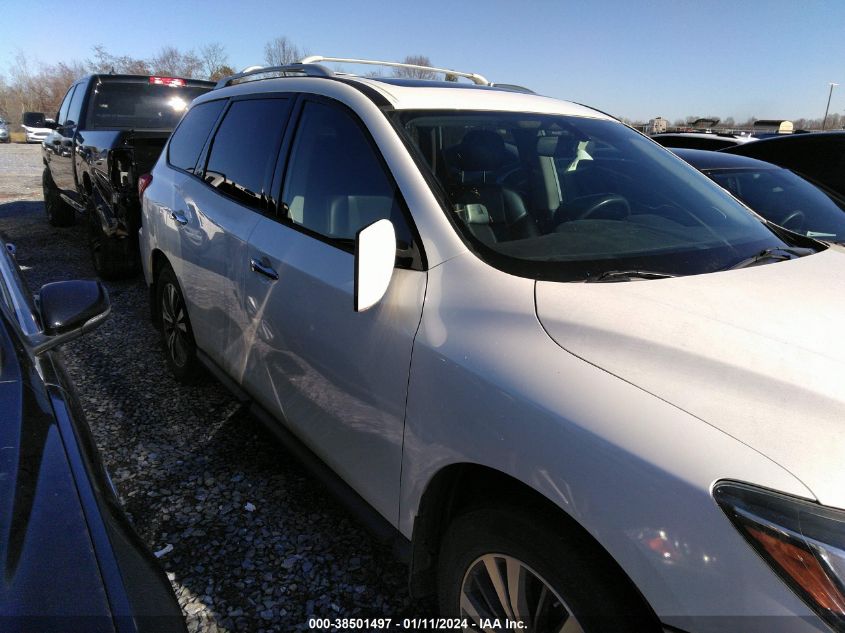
{"points": [[70, 559]]}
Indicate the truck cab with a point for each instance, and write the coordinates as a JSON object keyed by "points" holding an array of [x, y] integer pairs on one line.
{"points": [[109, 130]]}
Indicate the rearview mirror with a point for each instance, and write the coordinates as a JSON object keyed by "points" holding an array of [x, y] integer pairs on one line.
{"points": [[375, 256], [70, 309]]}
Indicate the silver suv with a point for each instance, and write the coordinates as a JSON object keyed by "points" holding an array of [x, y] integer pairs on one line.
{"points": [[584, 387]]}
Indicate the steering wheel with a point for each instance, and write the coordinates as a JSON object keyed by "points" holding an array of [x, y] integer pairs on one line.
{"points": [[797, 217], [610, 206]]}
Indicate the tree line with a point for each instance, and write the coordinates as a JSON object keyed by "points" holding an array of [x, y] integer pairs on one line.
{"points": [[36, 87], [835, 121], [29, 86]]}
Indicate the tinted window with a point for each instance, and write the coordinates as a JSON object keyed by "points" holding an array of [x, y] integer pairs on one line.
{"points": [[75, 110], [245, 147], [570, 198], [188, 139], [33, 119], [786, 199], [64, 107], [140, 105], [336, 184]]}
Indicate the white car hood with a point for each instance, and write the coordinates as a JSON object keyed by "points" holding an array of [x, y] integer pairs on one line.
{"points": [[758, 353]]}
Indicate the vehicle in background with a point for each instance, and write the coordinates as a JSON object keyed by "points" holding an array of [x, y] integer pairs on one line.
{"points": [[71, 560], [35, 126], [5, 135], [701, 140], [816, 156], [110, 130], [767, 128], [776, 193], [578, 383]]}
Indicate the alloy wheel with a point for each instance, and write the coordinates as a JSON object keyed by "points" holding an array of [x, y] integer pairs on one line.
{"points": [[175, 325], [503, 588]]}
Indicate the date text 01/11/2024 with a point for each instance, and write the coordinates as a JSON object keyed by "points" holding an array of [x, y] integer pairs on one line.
{"points": [[410, 624]]}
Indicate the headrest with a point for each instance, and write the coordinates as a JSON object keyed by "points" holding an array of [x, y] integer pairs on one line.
{"points": [[557, 146], [481, 150]]}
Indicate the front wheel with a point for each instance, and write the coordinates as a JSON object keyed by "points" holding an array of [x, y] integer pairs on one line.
{"points": [[59, 212], [507, 566]]}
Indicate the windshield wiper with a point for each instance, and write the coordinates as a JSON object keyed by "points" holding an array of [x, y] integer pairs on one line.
{"points": [[772, 255], [627, 275]]}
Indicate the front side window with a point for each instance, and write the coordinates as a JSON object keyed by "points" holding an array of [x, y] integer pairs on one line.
{"points": [[62, 115], [74, 113], [571, 198], [244, 150], [335, 183], [190, 137]]}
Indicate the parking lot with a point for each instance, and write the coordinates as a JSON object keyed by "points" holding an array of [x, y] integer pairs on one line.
{"points": [[249, 540]]}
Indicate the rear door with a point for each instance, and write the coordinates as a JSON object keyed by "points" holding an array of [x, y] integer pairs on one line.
{"points": [[338, 378], [219, 213]]}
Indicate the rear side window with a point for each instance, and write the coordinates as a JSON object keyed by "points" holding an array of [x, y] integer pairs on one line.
{"points": [[243, 153], [190, 136], [336, 185]]}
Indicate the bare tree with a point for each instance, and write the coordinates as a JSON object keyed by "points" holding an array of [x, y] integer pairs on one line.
{"points": [[214, 59], [415, 73], [40, 89], [281, 51], [222, 71], [105, 62], [171, 61]]}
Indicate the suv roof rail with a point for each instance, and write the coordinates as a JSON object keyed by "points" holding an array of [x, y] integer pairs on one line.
{"points": [[298, 70], [474, 77]]}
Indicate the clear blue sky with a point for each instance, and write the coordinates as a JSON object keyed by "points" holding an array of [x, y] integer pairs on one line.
{"points": [[636, 59]]}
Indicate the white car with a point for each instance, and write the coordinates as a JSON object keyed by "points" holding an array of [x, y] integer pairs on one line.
{"points": [[583, 387], [33, 125]]}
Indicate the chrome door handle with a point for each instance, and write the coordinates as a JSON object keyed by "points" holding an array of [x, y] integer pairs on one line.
{"points": [[179, 216], [257, 267]]}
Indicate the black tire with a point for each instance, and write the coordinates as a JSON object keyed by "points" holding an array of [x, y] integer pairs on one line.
{"points": [[59, 212], [177, 335], [113, 257], [589, 588]]}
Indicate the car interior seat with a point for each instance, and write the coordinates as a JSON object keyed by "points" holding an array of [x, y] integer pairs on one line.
{"points": [[494, 213]]}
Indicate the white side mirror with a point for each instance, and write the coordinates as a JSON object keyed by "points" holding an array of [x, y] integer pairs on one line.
{"points": [[375, 256]]}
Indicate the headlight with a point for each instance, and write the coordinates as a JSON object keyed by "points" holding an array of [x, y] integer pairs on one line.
{"points": [[803, 542]]}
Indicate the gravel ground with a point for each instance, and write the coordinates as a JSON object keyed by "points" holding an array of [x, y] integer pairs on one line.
{"points": [[256, 544]]}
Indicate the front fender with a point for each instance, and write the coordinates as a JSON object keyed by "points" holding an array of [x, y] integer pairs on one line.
{"points": [[489, 387]]}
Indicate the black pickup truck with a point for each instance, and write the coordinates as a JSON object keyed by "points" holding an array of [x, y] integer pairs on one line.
{"points": [[110, 129]]}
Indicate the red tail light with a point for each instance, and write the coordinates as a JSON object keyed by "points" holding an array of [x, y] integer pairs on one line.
{"points": [[168, 81], [144, 182]]}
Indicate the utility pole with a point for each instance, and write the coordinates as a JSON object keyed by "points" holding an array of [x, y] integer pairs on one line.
{"points": [[829, 95]]}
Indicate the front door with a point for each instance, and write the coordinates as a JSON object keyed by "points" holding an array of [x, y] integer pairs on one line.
{"points": [[337, 378], [59, 146]]}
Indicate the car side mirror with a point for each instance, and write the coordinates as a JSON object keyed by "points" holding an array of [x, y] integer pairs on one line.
{"points": [[51, 124], [375, 257], [70, 309]]}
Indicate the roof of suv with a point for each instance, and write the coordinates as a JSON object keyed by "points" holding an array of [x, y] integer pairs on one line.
{"points": [[408, 94]]}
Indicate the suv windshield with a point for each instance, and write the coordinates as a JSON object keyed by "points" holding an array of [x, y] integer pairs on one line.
{"points": [[130, 105], [570, 198]]}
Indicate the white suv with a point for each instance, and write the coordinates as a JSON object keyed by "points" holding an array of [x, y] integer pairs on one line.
{"points": [[584, 387]]}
